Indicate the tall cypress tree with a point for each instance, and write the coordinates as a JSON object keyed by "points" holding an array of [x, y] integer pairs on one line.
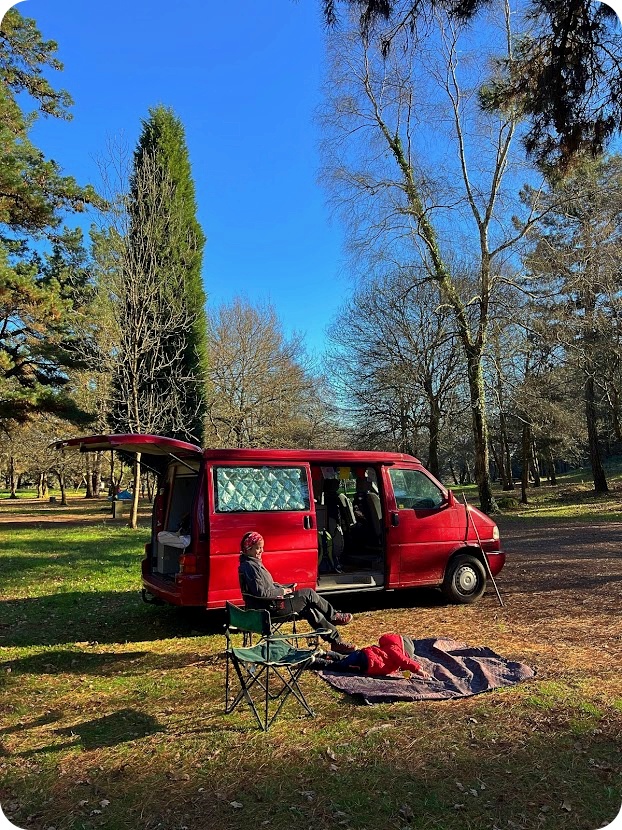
{"points": [[165, 246]]}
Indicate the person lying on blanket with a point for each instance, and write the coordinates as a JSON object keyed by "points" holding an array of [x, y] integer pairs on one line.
{"points": [[394, 652]]}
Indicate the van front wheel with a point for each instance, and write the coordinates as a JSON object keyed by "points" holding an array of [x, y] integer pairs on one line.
{"points": [[465, 579]]}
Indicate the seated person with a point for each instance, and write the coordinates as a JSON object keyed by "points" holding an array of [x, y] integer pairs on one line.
{"points": [[394, 652], [255, 580]]}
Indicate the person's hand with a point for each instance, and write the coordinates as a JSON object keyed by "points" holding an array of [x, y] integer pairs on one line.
{"points": [[424, 675]]}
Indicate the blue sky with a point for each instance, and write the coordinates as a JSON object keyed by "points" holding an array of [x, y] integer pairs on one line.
{"points": [[245, 80]]}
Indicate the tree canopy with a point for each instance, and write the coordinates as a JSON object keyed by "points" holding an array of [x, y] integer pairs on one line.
{"points": [[565, 72], [38, 291]]}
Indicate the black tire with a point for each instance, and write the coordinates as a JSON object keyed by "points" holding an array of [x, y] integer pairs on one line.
{"points": [[465, 579]]}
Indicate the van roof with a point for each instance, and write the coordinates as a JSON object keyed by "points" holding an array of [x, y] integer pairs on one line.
{"points": [[159, 445], [328, 457]]}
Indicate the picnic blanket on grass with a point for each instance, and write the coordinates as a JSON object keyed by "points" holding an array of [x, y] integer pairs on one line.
{"points": [[457, 670]]}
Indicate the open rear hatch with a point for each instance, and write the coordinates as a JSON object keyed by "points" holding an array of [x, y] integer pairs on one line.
{"points": [[145, 444], [178, 462]]}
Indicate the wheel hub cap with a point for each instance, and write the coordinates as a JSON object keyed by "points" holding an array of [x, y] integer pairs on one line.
{"points": [[467, 580]]}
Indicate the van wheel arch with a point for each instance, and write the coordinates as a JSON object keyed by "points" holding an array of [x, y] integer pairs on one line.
{"points": [[465, 576]]}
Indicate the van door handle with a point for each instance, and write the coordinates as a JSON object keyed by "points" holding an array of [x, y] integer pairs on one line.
{"points": [[395, 518], [307, 523]]}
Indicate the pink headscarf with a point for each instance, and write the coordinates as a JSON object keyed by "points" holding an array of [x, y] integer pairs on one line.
{"points": [[249, 540]]}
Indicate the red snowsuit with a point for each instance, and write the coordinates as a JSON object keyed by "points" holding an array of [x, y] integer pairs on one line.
{"points": [[388, 656]]}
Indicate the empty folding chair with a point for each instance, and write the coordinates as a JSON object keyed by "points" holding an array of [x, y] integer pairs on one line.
{"points": [[268, 672]]}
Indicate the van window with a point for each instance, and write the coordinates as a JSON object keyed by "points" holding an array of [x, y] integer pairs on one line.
{"points": [[257, 489], [413, 489]]}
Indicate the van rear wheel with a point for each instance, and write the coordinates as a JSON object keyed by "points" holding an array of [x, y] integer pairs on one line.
{"points": [[465, 579]]}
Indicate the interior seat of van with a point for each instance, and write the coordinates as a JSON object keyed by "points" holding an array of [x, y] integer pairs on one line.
{"points": [[368, 511], [338, 505]]}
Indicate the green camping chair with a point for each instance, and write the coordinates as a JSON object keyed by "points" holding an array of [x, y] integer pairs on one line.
{"points": [[268, 672]]}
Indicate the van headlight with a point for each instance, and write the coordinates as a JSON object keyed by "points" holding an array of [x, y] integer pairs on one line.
{"points": [[495, 533]]}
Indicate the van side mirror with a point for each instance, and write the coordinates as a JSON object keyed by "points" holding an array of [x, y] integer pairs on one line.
{"points": [[451, 499]]}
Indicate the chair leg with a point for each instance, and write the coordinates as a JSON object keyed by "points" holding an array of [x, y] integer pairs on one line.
{"points": [[244, 693], [291, 687], [264, 679]]}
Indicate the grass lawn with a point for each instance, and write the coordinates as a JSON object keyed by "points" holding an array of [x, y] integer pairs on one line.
{"points": [[573, 498], [111, 710]]}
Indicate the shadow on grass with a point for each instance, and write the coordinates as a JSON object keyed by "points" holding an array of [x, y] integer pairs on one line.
{"points": [[109, 730], [22, 726], [14, 566], [555, 781], [386, 600], [98, 616], [104, 664]]}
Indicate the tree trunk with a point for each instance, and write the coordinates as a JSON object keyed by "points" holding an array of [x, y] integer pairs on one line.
{"points": [[12, 478], [551, 463], [500, 456], [615, 413], [480, 431], [535, 465], [61, 483], [89, 476], [434, 427], [598, 472], [453, 473], [133, 522], [40, 492], [508, 476], [497, 461], [526, 453], [150, 480], [97, 473]]}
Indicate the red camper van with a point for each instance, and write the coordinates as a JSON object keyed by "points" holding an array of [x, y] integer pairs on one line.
{"points": [[333, 520]]}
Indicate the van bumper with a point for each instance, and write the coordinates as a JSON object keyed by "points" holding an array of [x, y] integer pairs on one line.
{"points": [[496, 560], [186, 590]]}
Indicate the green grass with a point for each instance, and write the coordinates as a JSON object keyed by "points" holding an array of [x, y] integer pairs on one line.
{"points": [[112, 713], [572, 498]]}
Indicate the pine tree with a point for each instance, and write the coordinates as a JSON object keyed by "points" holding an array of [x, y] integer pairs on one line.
{"points": [[38, 291]]}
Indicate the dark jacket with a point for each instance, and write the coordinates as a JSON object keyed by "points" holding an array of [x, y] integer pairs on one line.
{"points": [[256, 580]]}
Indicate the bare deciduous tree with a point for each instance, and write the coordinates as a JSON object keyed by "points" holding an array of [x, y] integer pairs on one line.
{"points": [[262, 392], [398, 364], [419, 199]]}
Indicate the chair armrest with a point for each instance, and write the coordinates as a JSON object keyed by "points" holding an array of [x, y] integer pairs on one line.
{"points": [[306, 636]]}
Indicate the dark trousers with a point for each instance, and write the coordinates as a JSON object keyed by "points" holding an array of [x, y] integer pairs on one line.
{"points": [[315, 610], [357, 661]]}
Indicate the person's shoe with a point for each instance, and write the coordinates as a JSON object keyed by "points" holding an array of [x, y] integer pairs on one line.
{"points": [[318, 663], [342, 648], [342, 618]]}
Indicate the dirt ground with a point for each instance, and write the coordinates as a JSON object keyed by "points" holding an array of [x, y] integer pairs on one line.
{"points": [[581, 562]]}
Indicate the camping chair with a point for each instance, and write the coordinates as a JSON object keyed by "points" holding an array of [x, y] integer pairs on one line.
{"points": [[267, 672], [280, 610]]}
